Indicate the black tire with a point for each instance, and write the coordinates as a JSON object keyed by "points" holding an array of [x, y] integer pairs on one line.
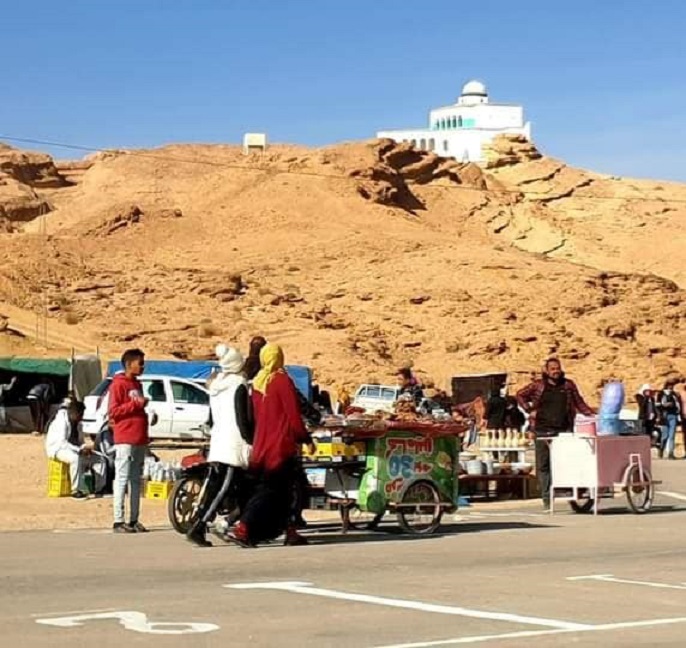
{"points": [[639, 498], [582, 506], [357, 520], [426, 501], [181, 506]]}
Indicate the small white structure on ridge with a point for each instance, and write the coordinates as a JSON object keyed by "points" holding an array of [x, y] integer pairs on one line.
{"points": [[461, 130], [254, 142]]}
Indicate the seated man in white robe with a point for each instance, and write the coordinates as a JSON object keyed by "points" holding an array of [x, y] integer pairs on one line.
{"points": [[65, 442]]}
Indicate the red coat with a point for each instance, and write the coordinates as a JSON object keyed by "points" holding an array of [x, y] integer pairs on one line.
{"points": [[279, 427], [127, 411], [529, 399]]}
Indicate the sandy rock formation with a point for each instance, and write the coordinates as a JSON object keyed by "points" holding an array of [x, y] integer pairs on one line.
{"points": [[363, 257]]}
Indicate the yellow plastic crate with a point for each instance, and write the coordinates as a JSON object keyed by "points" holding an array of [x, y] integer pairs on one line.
{"points": [[59, 481], [337, 449], [158, 490]]}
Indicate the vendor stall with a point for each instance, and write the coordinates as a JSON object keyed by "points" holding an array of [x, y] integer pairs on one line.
{"points": [[586, 469], [407, 467], [79, 374]]}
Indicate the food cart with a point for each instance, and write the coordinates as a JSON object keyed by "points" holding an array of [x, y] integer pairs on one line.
{"points": [[406, 467], [588, 468], [365, 467]]}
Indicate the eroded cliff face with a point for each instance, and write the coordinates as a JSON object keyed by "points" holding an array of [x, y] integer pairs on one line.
{"points": [[357, 258]]}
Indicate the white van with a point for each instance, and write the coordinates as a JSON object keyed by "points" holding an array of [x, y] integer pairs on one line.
{"points": [[182, 407], [373, 398]]}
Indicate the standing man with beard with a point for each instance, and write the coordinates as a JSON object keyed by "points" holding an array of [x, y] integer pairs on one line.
{"points": [[552, 401]]}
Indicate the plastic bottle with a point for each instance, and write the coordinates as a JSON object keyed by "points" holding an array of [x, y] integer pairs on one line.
{"points": [[611, 403], [612, 399]]}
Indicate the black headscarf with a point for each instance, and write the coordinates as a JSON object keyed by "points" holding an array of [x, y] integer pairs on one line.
{"points": [[252, 362]]}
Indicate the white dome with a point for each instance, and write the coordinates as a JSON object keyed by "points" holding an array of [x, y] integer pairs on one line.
{"points": [[474, 88]]}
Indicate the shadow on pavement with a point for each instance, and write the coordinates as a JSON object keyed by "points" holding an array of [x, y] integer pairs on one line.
{"points": [[623, 509], [330, 534]]}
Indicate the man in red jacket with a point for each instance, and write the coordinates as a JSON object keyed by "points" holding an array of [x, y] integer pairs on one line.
{"points": [[552, 402], [130, 426]]}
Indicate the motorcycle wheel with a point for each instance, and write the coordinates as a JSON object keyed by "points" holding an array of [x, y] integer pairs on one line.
{"points": [[182, 506]]}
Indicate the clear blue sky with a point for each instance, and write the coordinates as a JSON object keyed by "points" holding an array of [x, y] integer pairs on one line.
{"points": [[601, 80]]}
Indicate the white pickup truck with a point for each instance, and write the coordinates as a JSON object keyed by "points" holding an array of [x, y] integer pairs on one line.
{"points": [[374, 398], [182, 407]]}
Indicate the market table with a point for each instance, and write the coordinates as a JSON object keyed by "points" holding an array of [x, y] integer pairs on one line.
{"points": [[518, 482]]}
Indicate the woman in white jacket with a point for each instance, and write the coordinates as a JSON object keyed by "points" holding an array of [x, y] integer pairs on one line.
{"points": [[231, 436]]}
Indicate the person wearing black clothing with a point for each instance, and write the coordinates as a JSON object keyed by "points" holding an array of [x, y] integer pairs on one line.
{"points": [[647, 410], [496, 411], [514, 419], [252, 362], [4, 420], [409, 386], [39, 399], [312, 416], [669, 413], [552, 402]]}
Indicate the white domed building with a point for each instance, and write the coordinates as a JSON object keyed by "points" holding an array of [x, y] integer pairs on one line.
{"points": [[461, 129]]}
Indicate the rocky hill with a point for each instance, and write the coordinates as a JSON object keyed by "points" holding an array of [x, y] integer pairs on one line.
{"points": [[359, 258]]}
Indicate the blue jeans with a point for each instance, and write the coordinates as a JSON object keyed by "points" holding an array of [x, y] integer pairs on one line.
{"points": [[128, 473], [669, 433]]}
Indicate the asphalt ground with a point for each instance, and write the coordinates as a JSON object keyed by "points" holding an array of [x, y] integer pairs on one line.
{"points": [[504, 577]]}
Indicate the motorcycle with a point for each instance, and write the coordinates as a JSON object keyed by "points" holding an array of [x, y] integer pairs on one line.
{"points": [[189, 491], [190, 488]]}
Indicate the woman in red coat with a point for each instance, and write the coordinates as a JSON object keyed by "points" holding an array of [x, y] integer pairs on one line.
{"points": [[279, 433]]}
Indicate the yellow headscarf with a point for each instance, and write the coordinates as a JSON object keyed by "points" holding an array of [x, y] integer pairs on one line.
{"points": [[271, 359]]}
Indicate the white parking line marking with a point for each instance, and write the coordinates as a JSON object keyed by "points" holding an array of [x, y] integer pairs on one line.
{"points": [[131, 620], [66, 612], [677, 496], [307, 588], [537, 633], [496, 514], [609, 578]]}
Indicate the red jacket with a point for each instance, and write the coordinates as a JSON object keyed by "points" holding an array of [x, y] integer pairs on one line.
{"points": [[127, 411], [280, 429]]}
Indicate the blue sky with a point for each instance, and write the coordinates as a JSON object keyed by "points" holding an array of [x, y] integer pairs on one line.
{"points": [[602, 81]]}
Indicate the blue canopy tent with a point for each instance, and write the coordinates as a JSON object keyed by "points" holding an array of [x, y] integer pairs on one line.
{"points": [[200, 370]]}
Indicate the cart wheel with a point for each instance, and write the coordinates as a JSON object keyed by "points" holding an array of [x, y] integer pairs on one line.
{"points": [[582, 505], [182, 506], [354, 518], [420, 509], [639, 492]]}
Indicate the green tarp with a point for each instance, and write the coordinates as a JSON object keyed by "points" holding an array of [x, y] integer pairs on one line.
{"points": [[54, 366]]}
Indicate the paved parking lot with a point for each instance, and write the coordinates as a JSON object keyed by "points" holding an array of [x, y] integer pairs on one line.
{"points": [[508, 578]]}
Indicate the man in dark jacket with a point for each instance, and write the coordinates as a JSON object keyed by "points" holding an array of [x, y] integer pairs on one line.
{"points": [[647, 410], [552, 402], [39, 398]]}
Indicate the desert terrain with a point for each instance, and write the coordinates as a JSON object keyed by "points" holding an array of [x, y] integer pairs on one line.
{"points": [[357, 258]]}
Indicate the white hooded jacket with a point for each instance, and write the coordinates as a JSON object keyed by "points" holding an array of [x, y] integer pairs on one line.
{"points": [[228, 405], [59, 431]]}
